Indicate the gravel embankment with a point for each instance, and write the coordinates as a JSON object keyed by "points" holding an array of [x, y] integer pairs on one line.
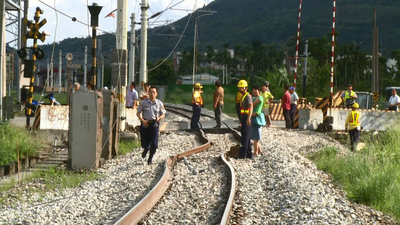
{"points": [[200, 188], [125, 182], [284, 187]]}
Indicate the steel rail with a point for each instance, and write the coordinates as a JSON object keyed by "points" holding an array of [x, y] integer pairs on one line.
{"points": [[140, 210]]}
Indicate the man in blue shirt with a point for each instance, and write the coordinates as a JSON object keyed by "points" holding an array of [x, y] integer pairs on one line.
{"points": [[131, 97]]}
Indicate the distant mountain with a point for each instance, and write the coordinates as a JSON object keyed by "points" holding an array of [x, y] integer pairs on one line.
{"points": [[239, 22]]}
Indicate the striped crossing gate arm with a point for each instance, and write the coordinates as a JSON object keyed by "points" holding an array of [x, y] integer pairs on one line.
{"points": [[322, 103], [276, 112], [36, 124]]}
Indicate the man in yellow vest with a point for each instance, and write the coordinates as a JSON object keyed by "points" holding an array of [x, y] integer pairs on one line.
{"points": [[237, 100], [197, 103], [353, 123], [349, 96], [246, 110]]}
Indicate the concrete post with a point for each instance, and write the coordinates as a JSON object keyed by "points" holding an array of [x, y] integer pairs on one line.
{"points": [[132, 52], [143, 45]]}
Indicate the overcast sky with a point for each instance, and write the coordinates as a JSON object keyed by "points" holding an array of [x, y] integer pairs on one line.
{"points": [[78, 8]]}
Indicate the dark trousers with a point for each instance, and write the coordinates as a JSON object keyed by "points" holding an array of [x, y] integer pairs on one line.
{"points": [[245, 150], [238, 110], [149, 138], [194, 123], [354, 137], [218, 113], [286, 115], [292, 113]]}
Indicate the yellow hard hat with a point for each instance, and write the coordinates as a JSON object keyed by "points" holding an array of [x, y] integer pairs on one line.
{"points": [[198, 85], [242, 83], [355, 106]]}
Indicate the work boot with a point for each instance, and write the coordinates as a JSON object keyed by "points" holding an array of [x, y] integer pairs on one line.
{"points": [[144, 153]]}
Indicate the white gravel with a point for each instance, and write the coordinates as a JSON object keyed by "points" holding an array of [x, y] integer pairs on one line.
{"points": [[126, 180], [200, 188], [283, 187]]}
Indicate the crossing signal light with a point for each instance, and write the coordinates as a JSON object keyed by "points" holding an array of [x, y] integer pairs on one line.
{"points": [[39, 53], [22, 53]]}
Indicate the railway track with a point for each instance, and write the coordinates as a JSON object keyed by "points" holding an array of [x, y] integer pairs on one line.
{"points": [[142, 209]]}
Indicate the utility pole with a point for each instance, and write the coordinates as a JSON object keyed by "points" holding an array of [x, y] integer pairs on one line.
{"points": [[59, 72], [195, 52], [305, 68], [2, 53], [100, 77], [375, 57], [119, 74], [51, 73], [132, 52], [143, 44], [85, 70], [48, 73], [69, 58], [94, 10]]}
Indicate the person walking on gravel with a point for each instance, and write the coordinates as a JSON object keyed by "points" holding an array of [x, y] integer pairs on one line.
{"points": [[197, 103], [268, 97], [218, 103], [353, 123], [150, 112], [246, 110], [257, 119]]}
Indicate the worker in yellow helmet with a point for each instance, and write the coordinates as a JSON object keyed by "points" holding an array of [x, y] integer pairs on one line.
{"points": [[197, 103], [353, 123], [246, 110]]}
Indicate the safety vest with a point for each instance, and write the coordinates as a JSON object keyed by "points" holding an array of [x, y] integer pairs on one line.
{"points": [[198, 97], [355, 118], [243, 110], [348, 95], [238, 97]]}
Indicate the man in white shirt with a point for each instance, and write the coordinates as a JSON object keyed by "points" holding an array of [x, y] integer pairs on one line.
{"points": [[394, 101], [131, 97], [294, 100]]}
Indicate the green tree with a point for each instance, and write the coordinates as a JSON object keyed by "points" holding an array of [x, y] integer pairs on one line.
{"points": [[162, 74]]}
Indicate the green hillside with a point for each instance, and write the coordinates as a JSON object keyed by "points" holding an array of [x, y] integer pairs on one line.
{"points": [[271, 22]]}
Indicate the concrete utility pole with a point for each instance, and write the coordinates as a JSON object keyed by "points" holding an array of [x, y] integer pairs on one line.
{"points": [[143, 78], [100, 68], [119, 74], [59, 72], [195, 54], [85, 70], [51, 73], [375, 57], [132, 52], [305, 67], [2, 54], [48, 73]]}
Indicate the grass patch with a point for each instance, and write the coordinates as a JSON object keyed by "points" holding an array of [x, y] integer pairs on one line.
{"points": [[60, 97], [48, 180], [126, 146], [12, 138], [371, 176]]}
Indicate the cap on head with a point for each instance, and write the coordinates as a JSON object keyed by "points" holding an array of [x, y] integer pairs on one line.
{"points": [[266, 83], [355, 106], [198, 85], [291, 88], [349, 85], [242, 83]]}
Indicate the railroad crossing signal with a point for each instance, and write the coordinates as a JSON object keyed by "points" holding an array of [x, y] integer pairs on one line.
{"points": [[34, 28]]}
